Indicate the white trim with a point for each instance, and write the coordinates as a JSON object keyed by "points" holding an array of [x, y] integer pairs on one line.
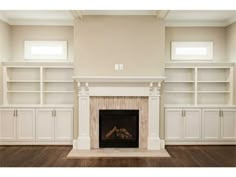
{"points": [[41, 22], [200, 142], [35, 143], [113, 79], [3, 18]]}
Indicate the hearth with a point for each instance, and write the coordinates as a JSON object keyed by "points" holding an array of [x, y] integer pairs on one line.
{"points": [[118, 128]]}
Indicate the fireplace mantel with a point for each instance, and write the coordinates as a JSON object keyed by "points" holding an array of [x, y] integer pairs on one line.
{"points": [[136, 79], [118, 86]]}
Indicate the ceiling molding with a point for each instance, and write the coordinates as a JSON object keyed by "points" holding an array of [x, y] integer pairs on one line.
{"points": [[42, 22], [76, 14], [196, 23], [230, 21], [3, 18], [162, 14]]}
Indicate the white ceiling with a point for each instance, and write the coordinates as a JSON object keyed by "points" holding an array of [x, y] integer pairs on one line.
{"points": [[172, 18]]}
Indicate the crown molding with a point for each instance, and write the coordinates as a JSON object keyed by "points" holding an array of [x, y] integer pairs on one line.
{"points": [[3, 18], [42, 22], [230, 21], [196, 24]]}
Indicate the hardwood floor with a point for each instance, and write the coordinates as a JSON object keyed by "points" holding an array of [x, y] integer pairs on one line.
{"points": [[55, 156]]}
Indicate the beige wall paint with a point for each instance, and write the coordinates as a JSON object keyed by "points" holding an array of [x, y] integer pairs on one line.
{"points": [[5, 49], [138, 42], [22, 33], [215, 34]]}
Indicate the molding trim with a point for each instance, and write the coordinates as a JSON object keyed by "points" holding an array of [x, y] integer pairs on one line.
{"points": [[42, 22], [113, 79], [195, 23], [3, 18], [200, 142]]}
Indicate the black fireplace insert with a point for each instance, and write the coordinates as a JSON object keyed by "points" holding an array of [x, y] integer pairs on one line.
{"points": [[118, 128]]}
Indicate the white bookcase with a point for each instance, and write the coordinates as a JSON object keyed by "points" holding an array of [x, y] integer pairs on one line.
{"points": [[199, 85], [38, 84]]}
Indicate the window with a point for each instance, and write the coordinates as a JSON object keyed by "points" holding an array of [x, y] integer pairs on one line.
{"points": [[192, 50], [45, 50]]}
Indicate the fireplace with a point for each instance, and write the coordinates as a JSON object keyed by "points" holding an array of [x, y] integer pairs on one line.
{"points": [[118, 128]]}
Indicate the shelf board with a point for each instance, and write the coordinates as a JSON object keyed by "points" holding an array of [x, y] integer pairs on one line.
{"points": [[23, 81], [179, 81], [22, 91], [58, 81], [179, 91], [213, 81], [58, 91], [213, 92]]}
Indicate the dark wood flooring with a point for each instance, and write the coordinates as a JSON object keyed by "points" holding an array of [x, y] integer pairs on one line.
{"points": [[55, 156]]}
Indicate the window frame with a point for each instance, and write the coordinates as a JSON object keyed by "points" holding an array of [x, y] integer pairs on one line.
{"points": [[29, 56], [194, 44]]}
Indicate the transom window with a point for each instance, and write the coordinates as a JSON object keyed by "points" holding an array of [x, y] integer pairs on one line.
{"points": [[192, 50], [45, 50]]}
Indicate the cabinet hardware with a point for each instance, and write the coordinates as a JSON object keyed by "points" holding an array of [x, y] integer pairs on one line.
{"points": [[219, 113], [14, 113], [52, 113], [222, 114], [184, 113]]}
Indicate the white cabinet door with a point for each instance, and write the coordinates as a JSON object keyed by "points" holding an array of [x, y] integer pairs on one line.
{"points": [[211, 124], [44, 125], [192, 124], [25, 124], [63, 124], [228, 124], [173, 124], [7, 125]]}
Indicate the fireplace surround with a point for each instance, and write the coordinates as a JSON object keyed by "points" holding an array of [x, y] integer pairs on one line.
{"points": [[99, 86], [118, 128]]}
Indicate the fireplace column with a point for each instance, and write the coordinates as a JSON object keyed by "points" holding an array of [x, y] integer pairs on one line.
{"points": [[154, 142], [83, 114]]}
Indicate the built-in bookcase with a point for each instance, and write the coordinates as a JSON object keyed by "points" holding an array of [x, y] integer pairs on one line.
{"points": [[179, 85], [199, 85], [38, 85]]}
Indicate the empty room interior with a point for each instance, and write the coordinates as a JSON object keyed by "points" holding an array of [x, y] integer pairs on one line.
{"points": [[128, 88]]}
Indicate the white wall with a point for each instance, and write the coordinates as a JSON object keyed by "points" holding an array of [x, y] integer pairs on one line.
{"points": [[5, 49], [215, 34], [22, 33]]}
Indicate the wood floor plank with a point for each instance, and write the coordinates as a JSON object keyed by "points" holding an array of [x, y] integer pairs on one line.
{"points": [[55, 156]]}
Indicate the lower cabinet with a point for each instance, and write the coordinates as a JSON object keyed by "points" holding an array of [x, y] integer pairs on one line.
{"points": [[36, 126], [219, 124], [206, 126], [7, 125], [182, 124], [54, 124]]}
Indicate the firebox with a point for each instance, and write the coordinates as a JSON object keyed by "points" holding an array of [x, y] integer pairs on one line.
{"points": [[118, 128]]}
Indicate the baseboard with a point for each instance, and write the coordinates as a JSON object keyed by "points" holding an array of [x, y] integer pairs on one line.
{"points": [[35, 143], [163, 144], [201, 143], [75, 144]]}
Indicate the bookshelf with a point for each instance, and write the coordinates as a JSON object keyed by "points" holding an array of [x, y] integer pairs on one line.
{"points": [[199, 84], [38, 84]]}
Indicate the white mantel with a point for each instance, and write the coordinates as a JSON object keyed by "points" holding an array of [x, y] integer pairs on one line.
{"points": [[118, 86]]}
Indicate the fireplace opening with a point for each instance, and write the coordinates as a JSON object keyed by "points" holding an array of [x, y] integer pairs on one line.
{"points": [[118, 128]]}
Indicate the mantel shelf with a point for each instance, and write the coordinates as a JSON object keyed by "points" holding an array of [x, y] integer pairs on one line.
{"points": [[118, 79]]}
